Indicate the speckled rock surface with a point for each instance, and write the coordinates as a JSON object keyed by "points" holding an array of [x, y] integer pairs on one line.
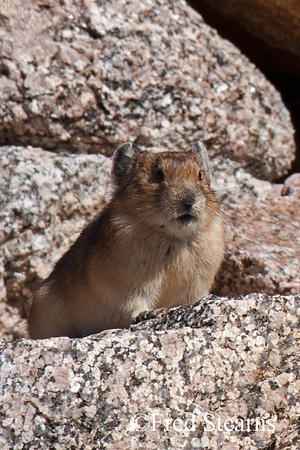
{"points": [[263, 233], [263, 251], [86, 76], [46, 200], [291, 186], [223, 375]]}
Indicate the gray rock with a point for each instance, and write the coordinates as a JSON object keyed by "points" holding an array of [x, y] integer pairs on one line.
{"points": [[263, 233], [46, 200], [292, 185], [263, 248], [164, 383], [85, 77]]}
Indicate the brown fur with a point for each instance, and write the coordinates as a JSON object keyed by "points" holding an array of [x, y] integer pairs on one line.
{"points": [[142, 252]]}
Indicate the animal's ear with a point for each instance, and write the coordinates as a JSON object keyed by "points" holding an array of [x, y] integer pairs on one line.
{"points": [[200, 150], [123, 160]]}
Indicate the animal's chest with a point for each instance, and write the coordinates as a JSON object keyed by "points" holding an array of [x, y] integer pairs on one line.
{"points": [[165, 269], [181, 258], [180, 273]]}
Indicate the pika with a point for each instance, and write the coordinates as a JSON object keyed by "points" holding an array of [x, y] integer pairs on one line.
{"points": [[158, 243]]}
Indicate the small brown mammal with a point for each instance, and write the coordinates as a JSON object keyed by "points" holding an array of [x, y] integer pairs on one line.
{"points": [[159, 242]]}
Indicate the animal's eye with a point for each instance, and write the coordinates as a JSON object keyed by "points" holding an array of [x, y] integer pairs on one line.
{"points": [[159, 175], [200, 175]]}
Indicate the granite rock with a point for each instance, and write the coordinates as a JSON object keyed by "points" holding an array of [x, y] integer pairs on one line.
{"points": [[263, 248], [222, 374], [87, 76], [46, 200], [271, 27], [291, 185], [263, 233]]}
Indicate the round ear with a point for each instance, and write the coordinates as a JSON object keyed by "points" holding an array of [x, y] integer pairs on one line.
{"points": [[200, 150], [122, 163]]}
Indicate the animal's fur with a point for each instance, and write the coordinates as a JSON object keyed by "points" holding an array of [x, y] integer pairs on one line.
{"points": [[158, 243]]}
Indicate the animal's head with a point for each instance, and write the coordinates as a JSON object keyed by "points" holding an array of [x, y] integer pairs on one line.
{"points": [[169, 189]]}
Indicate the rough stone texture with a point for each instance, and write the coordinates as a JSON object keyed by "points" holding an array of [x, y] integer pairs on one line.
{"points": [[271, 26], [235, 359], [291, 185], [263, 251], [86, 76], [263, 234], [46, 200]]}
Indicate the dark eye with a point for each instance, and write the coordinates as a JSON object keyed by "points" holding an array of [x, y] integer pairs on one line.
{"points": [[200, 176], [159, 175]]}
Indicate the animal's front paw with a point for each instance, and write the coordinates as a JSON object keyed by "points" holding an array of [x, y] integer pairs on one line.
{"points": [[147, 315]]}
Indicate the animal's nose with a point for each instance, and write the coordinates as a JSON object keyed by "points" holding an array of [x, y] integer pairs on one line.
{"points": [[188, 200]]}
